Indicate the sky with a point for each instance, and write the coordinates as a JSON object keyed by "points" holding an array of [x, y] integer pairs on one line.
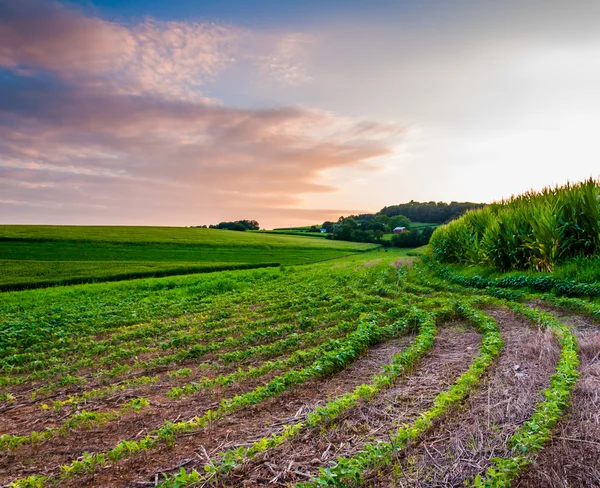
{"points": [[187, 112]]}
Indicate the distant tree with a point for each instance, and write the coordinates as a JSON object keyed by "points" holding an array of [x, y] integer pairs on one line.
{"points": [[406, 239], [426, 234], [430, 212], [351, 222], [399, 221], [240, 225], [328, 226], [250, 224], [375, 225], [371, 227], [343, 232]]}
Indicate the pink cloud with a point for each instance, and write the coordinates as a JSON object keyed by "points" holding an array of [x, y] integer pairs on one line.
{"points": [[125, 130], [168, 58]]}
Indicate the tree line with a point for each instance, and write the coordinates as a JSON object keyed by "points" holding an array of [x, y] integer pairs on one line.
{"points": [[372, 227], [240, 225]]}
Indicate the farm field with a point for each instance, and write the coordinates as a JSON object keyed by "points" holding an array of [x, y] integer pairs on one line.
{"points": [[369, 370], [33, 256]]}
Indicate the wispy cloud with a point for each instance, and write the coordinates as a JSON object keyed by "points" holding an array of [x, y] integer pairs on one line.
{"points": [[166, 58], [115, 117], [287, 61]]}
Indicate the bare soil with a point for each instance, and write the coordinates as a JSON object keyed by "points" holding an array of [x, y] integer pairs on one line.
{"points": [[236, 428], [464, 444], [571, 459], [299, 459]]}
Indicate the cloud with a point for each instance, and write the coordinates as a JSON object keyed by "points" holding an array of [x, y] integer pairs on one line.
{"points": [[113, 119], [169, 58], [288, 60]]}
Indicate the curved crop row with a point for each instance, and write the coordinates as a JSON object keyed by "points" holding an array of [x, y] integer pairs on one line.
{"points": [[400, 365], [88, 419], [250, 333], [195, 352], [531, 436], [542, 283], [83, 419], [340, 355], [349, 471]]}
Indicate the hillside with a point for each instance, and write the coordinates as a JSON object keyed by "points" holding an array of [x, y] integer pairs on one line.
{"points": [[49, 255]]}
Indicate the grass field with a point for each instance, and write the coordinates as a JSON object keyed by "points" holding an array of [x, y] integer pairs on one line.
{"points": [[165, 235], [34, 256]]}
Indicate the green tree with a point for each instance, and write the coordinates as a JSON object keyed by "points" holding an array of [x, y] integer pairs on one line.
{"points": [[399, 221]]}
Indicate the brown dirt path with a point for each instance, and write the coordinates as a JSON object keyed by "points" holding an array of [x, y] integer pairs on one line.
{"points": [[299, 459], [571, 459]]}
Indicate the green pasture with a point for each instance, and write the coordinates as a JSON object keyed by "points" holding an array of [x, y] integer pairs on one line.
{"points": [[169, 235], [33, 256]]}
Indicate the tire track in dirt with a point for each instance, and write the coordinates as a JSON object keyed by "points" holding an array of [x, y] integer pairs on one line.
{"points": [[298, 460], [571, 458]]}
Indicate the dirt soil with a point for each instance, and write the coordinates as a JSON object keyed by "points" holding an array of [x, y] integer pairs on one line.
{"points": [[571, 459], [237, 428], [463, 445], [25, 417], [299, 459]]}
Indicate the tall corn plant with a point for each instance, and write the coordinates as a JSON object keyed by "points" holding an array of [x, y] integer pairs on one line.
{"points": [[580, 219], [544, 241], [534, 230]]}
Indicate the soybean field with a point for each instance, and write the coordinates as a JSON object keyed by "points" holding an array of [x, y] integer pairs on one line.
{"points": [[369, 370]]}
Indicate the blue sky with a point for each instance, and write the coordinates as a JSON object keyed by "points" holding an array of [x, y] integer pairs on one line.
{"points": [[251, 13], [192, 112]]}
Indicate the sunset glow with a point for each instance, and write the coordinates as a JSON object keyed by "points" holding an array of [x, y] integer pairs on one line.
{"points": [[291, 113]]}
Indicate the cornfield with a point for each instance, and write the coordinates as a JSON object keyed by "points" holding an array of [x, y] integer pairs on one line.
{"points": [[535, 230]]}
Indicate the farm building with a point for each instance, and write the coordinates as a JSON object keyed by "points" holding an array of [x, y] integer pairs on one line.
{"points": [[399, 230]]}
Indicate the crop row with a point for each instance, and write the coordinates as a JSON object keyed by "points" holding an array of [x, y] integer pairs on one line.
{"points": [[90, 349], [89, 419], [349, 471], [401, 364], [529, 439], [302, 295], [83, 419], [542, 283], [253, 334], [43, 320], [342, 352]]}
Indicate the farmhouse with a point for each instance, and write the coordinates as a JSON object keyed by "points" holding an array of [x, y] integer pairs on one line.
{"points": [[399, 230], [323, 231]]}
